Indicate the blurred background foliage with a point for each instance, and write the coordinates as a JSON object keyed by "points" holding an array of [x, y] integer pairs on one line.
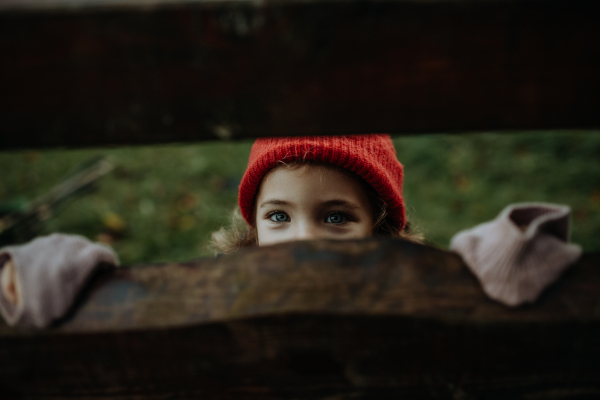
{"points": [[161, 203]]}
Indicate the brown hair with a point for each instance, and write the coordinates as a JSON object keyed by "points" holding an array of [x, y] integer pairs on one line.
{"points": [[239, 234]]}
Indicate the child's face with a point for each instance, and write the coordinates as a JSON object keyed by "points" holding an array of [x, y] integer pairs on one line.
{"points": [[309, 202]]}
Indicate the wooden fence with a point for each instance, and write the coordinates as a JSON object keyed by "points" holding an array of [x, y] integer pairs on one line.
{"points": [[365, 319], [377, 318], [197, 70]]}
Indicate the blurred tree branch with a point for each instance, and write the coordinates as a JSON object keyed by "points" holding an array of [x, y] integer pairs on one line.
{"points": [[22, 224]]}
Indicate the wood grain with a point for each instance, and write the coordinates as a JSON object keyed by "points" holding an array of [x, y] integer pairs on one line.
{"points": [[367, 319], [195, 71]]}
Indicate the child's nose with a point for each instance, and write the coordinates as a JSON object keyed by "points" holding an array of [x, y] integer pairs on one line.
{"points": [[306, 231]]}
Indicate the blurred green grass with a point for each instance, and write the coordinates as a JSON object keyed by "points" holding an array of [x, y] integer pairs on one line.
{"points": [[161, 203], [455, 182]]}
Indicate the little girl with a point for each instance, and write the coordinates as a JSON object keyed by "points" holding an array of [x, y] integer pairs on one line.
{"points": [[321, 187], [345, 187]]}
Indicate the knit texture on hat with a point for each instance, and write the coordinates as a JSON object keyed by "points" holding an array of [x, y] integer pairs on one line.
{"points": [[372, 157], [520, 253]]}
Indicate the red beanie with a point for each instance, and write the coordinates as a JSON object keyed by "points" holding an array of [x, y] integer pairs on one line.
{"points": [[372, 157]]}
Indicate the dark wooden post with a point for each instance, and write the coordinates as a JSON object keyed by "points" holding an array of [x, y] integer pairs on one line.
{"points": [[109, 74], [365, 319]]}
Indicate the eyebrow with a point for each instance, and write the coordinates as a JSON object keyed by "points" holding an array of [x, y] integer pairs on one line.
{"points": [[343, 203], [274, 202], [328, 203]]}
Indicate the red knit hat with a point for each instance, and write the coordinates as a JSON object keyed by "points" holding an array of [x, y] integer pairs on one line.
{"points": [[372, 157]]}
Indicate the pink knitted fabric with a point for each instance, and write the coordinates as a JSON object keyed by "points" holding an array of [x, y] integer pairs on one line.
{"points": [[520, 253], [50, 272], [372, 157]]}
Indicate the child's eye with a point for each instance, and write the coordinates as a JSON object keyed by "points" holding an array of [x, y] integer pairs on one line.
{"points": [[279, 216], [336, 218]]}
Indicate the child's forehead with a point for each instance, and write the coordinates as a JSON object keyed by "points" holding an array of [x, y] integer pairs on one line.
{"points": [[309, 184], [319, 170], [313, 178]]}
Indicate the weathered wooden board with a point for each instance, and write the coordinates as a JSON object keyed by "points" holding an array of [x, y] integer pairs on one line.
{"points": [[91, 76], [366, 319]]}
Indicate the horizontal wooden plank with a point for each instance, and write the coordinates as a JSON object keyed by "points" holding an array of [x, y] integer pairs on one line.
{"points": [[222, 70], [367, 319], [375, 276], [78, 5]]}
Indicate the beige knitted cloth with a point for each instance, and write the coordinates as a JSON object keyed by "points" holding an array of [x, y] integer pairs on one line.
{"points": [[520, 253], [48, 273]]}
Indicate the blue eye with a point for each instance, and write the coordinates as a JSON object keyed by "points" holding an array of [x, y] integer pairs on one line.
{"points": [[279, 217], [336, 218]]}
